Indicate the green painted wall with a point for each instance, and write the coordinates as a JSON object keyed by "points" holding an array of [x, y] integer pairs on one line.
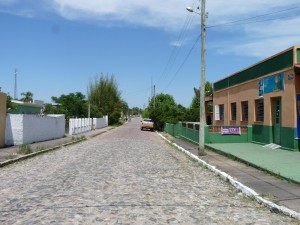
{"points": [[209, 137], [262, 134], [25, 109], [219, 138], [288, 140], [256, 133], [298, 55]]}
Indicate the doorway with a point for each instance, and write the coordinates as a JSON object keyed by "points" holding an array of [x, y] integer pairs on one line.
{"points": [[277, 121]]}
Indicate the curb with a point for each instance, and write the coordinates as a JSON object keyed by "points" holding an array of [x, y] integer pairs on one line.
{"points": [[31, 155], [243, 188], [18, 159]]}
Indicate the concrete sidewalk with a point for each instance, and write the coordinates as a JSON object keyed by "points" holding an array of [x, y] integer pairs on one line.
{"points": [[285, 164], [278, 162], [11, 152]]}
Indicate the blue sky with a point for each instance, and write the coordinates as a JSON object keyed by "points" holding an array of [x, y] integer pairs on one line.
{"points": [[59, 46]]}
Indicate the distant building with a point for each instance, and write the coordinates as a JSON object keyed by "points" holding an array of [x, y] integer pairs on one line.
{"points": [[28, 108], [266, 96]]}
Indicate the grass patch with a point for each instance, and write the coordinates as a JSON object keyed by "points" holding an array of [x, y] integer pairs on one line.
{"points": [[24, 149], [10, 156], [119, 123], [79, 138], [270, 197], [40, 148]]}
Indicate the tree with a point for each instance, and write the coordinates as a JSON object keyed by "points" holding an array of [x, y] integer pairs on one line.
{"points": [[125, 109], [135, 111], [10, 106], [192, 113], [181, 113], [208, 90], [28, 96], [72, 105], [163, 109], [104, 94]]}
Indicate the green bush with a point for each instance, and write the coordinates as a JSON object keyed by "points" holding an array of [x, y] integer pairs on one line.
{"points": [[24, 149], [40, 148]]}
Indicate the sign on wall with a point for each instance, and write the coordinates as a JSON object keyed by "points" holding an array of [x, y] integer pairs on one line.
{"points": [[271, 84], [231, 130]]}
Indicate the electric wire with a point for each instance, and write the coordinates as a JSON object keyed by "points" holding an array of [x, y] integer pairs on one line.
{"points": [[176, 49], [254, 17], [183, 62], [174, 54]]}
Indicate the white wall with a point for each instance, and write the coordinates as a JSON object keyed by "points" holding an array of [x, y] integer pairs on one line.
{"points": [[100, 122], [81, 125], [26, 129]]}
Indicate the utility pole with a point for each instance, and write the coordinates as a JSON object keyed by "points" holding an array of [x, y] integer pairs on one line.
{"points": [[202, 81], [15, 92], [202, 77]]}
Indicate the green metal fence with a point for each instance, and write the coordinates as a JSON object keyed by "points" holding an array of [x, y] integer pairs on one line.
{"points": [[213, 134]]}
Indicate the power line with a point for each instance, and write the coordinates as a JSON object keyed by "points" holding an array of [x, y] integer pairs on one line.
{"points": [[176, 49], [261, 21], [184, 61], [254, 17]]}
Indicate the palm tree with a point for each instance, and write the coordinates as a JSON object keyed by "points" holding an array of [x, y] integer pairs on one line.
{"points": [[27, 96]]}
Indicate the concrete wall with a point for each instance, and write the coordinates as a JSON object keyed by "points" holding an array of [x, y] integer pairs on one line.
{"points": [[82, 125], [27, 129], [100, 122], [2, 118]]}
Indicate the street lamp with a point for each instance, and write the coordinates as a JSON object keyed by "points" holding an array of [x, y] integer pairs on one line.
{"points": [[202, 78]]}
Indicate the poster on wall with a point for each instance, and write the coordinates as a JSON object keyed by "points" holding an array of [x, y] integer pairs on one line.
{"points": [[271, 84], [298, 115], [231, 130]]}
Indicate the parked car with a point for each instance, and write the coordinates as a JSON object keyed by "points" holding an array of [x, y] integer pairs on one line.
{"points": [[147, 124]]}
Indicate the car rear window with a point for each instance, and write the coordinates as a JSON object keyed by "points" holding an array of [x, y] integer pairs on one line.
{"points": [[148, 120]]}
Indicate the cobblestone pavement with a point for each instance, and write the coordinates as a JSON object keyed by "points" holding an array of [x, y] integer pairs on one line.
{"points": [[125, 176]]}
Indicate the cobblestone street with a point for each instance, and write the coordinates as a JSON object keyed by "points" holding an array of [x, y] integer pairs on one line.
{"points": [[125, 176]]}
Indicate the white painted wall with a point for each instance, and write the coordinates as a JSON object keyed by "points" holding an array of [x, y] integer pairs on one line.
{"points": [[82, 125], [100, 122], [27, 129]]}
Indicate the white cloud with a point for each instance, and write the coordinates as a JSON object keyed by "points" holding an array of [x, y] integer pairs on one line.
{"points": [[263, 39], [155, 13], [258, 39], [224, 11]]}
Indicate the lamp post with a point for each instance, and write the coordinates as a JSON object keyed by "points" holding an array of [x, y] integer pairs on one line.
{"points": [[202, 78]]}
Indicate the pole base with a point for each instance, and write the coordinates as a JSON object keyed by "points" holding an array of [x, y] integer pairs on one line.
{"points": [[201, 152]]}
